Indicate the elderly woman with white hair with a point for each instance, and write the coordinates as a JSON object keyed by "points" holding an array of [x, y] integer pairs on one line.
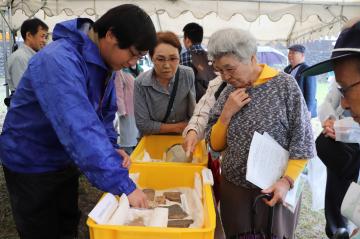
{"points": [[257, 98]]}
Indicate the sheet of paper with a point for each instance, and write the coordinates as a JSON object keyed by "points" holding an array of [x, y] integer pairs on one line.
{"points": [[120, 214], [198, 184], [159, 217], [350, 207], [266, 162], [102, 212]]}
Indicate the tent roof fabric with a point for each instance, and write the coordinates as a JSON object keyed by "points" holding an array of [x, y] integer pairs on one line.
{"points": [[285, 21]]}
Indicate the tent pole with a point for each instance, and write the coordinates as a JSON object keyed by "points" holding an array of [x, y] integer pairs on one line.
{"points": [[158, 20], [4, 53], [319, 28]]}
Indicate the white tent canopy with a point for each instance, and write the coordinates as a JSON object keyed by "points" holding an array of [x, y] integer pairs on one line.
{"points": [[283, 21]]}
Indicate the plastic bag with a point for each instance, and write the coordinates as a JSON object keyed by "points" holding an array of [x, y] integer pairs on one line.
{"points": [[317, 181]]}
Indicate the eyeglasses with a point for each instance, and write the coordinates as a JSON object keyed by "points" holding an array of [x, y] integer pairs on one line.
{"points": [[162, 60], [344, 90], [137, 54], [229, 70]]}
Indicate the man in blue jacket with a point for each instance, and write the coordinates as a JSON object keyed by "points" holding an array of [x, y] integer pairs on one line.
{"points": [[61, 119], [307, 84]]}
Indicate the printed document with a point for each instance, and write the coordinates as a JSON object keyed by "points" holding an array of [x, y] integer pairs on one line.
{"points": [[266, 164]]}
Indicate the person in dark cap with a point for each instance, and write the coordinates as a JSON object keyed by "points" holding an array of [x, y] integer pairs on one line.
{"points": [[345, 62], [307, 85]]}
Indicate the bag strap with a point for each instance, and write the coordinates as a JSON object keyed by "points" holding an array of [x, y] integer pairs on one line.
{"points": [[172, 97], [219, 90]]}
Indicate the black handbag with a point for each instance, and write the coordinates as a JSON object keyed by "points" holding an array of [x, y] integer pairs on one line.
{"points": [[343, 159]]}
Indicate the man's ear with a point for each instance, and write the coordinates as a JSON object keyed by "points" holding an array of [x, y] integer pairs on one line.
{"points": [[28, 36], [109, 36], [187, 41]]}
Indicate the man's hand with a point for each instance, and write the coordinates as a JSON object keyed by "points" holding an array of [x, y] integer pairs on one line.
{"points": [[126, 158], [278, 190], [190, 142], [138, 199], [329, 128]]}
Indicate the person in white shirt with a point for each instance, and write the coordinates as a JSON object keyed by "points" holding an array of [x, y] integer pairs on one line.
{"points": [[195, 130], [35, 33]]}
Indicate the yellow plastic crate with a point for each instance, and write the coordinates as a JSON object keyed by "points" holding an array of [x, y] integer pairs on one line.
{"points": [[156, 145], [159, 178]]}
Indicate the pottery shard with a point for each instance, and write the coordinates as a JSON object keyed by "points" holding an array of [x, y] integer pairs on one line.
{"points": [[160, 199], [152, 204], [150, 194], [180, 223], [137, 222], [173, 196], [176, 212]]}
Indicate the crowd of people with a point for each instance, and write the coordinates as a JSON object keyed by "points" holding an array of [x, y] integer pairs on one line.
{"points": [[66, 97]]}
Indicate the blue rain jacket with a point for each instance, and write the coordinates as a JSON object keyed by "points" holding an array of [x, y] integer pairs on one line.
{"points": [[62, 113]]}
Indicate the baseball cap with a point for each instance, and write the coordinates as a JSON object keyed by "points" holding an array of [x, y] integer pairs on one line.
{"points": [[298, 48]]}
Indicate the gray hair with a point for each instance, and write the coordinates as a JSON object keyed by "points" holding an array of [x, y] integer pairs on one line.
{"points": [[237, 42]]}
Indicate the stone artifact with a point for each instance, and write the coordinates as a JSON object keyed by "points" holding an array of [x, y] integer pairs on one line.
{"points": [[173, 196], [176, 212], [152, 204], [160, 199], [180, 223], [176, 153]]}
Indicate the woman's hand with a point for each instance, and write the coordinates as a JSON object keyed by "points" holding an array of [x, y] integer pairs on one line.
{"points": [[190, 142], [278, 190], [329, 128], [233, 104], [126, 158], [179, 127]]}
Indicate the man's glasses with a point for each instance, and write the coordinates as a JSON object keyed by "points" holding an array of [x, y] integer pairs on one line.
{"points": [[344, 90], [162, 60], [137, 54]]}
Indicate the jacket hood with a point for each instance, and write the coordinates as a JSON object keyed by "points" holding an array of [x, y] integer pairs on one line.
{"points": [[75, 30]]}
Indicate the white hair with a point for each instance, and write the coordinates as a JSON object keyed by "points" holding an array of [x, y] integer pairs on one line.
{"points": [[237, 42]]}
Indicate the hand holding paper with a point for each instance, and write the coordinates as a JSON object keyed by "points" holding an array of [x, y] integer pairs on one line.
{"points": [[266, 164]]}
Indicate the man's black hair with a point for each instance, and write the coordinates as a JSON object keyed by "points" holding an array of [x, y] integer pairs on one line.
{"points": [[194, 32], [32, 26], [131, 26]]}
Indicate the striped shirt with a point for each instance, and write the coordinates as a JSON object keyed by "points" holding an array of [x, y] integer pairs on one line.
{"points": [[185, 58]]}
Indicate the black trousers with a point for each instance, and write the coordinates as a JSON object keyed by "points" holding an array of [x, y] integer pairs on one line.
{"points": [[44, 205], [336, 188]]}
